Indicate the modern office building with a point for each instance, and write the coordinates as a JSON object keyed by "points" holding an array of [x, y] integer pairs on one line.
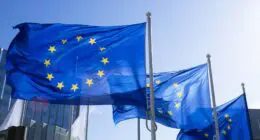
{"points": [[255, 123], [45, 121]]}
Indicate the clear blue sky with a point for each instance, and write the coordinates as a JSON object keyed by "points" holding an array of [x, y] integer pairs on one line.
{"points": [[184, 31]]}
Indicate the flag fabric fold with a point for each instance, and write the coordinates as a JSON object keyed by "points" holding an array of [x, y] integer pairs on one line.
{"points": [[182, 100], [233, 123], [78, 64]]}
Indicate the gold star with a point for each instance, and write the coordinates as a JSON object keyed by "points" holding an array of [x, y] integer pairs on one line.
{"points": [[226, 115], [47, 62], [89, 82], [157, 82], [79, 38], [224, 132], [92, 41], [148, 85], [206, 135], [230, 120], [179, 94], [64, 41], [104, 60], [102, 49], [228, 127], [100, 73], [60, 85], [74, 87], [170, 113], [52, 49], [175, 85], [177, 105], [49, 76]]}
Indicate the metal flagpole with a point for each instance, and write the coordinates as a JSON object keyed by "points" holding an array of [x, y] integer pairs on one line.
{"points": [[55, 120], [72, 106], [4, 82], [26, 111], [87, 119], [3, 87], [153, 127], [247, 113], [1, 54], [48, 121], [38, 105], [27, 127], [71, 122], [23, 113], [33, 118], [9, 102], [22, 119], [213, 98], [62, 122], [138, 129], [41, 120]]}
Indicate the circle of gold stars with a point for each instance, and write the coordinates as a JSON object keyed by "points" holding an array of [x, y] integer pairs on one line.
{"points": [[177, 104], [89, 82], [224, 130]]}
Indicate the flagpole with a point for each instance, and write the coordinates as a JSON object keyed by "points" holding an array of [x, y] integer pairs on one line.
{"points": [[31, 134], [87, 119], [72, 106], [3, 87], [153, 129], [138, 129], [48, 121], [4, 82], [1, 54], [26, 125], [213, 98], [55, 120], [39, 106], [23, 113], [22, 119], [41, 120], [247, 113], [9, 103], [71, 122], [62, 122]]}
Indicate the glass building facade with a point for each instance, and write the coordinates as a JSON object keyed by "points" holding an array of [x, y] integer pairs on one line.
{"points": [[255, 123], [44, 121]]}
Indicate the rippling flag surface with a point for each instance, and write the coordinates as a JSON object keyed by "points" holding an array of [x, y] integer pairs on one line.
{"points": [[78, 64], [181, 100], [233, 123]]}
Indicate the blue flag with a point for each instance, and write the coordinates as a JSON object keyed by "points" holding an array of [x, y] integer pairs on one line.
{"points": [[233, 123], [78, 64], [182, 100]]}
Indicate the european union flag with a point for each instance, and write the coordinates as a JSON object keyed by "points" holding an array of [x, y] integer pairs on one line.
{"points": [[182, 100], [78, 64], [233, 123]]}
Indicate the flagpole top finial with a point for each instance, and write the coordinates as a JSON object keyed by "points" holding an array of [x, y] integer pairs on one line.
{"points": [[208, 55], [148, 14]]}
